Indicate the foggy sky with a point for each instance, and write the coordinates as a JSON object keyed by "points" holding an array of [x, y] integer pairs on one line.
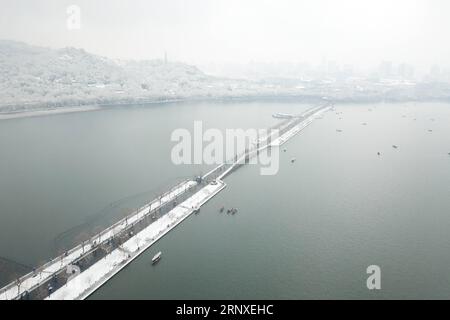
{"points": [[359, 32]]}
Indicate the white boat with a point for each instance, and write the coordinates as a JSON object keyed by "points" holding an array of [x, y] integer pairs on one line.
{"points": [[156, 257], [282, 116]]}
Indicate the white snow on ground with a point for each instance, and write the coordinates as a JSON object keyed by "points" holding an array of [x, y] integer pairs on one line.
{"points": [[54, 111], [94, 277], [36, 79], [30, 280]]}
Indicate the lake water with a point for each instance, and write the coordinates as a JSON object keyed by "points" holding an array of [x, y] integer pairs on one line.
{"points": [[309, 231]]}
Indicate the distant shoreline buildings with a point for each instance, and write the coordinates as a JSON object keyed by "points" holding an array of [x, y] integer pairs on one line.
{"points": [[36, 78]]}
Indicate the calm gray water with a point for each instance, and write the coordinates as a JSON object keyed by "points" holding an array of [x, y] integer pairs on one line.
{"points": [[308, 232]]}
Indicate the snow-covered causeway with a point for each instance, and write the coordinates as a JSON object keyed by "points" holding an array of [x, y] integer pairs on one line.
{"points": [[94, 277], [31, 280], [81, 285]]}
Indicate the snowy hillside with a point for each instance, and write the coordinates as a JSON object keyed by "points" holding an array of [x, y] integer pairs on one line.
{"points": [[40, 78], [35, 78]]}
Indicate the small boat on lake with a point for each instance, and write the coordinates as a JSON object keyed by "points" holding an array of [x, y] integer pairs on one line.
{"points": [[156, 258], [282, 116]]}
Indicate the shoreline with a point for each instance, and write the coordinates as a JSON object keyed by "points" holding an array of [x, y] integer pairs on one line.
{"points": [[48, 112], [96, 107]]}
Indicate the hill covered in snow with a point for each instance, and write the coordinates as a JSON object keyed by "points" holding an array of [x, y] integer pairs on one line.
{"points": [[33, 78], [36, 78]]}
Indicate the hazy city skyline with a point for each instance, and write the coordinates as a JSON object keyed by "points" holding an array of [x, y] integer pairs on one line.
{"points": [[360, 33]]}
